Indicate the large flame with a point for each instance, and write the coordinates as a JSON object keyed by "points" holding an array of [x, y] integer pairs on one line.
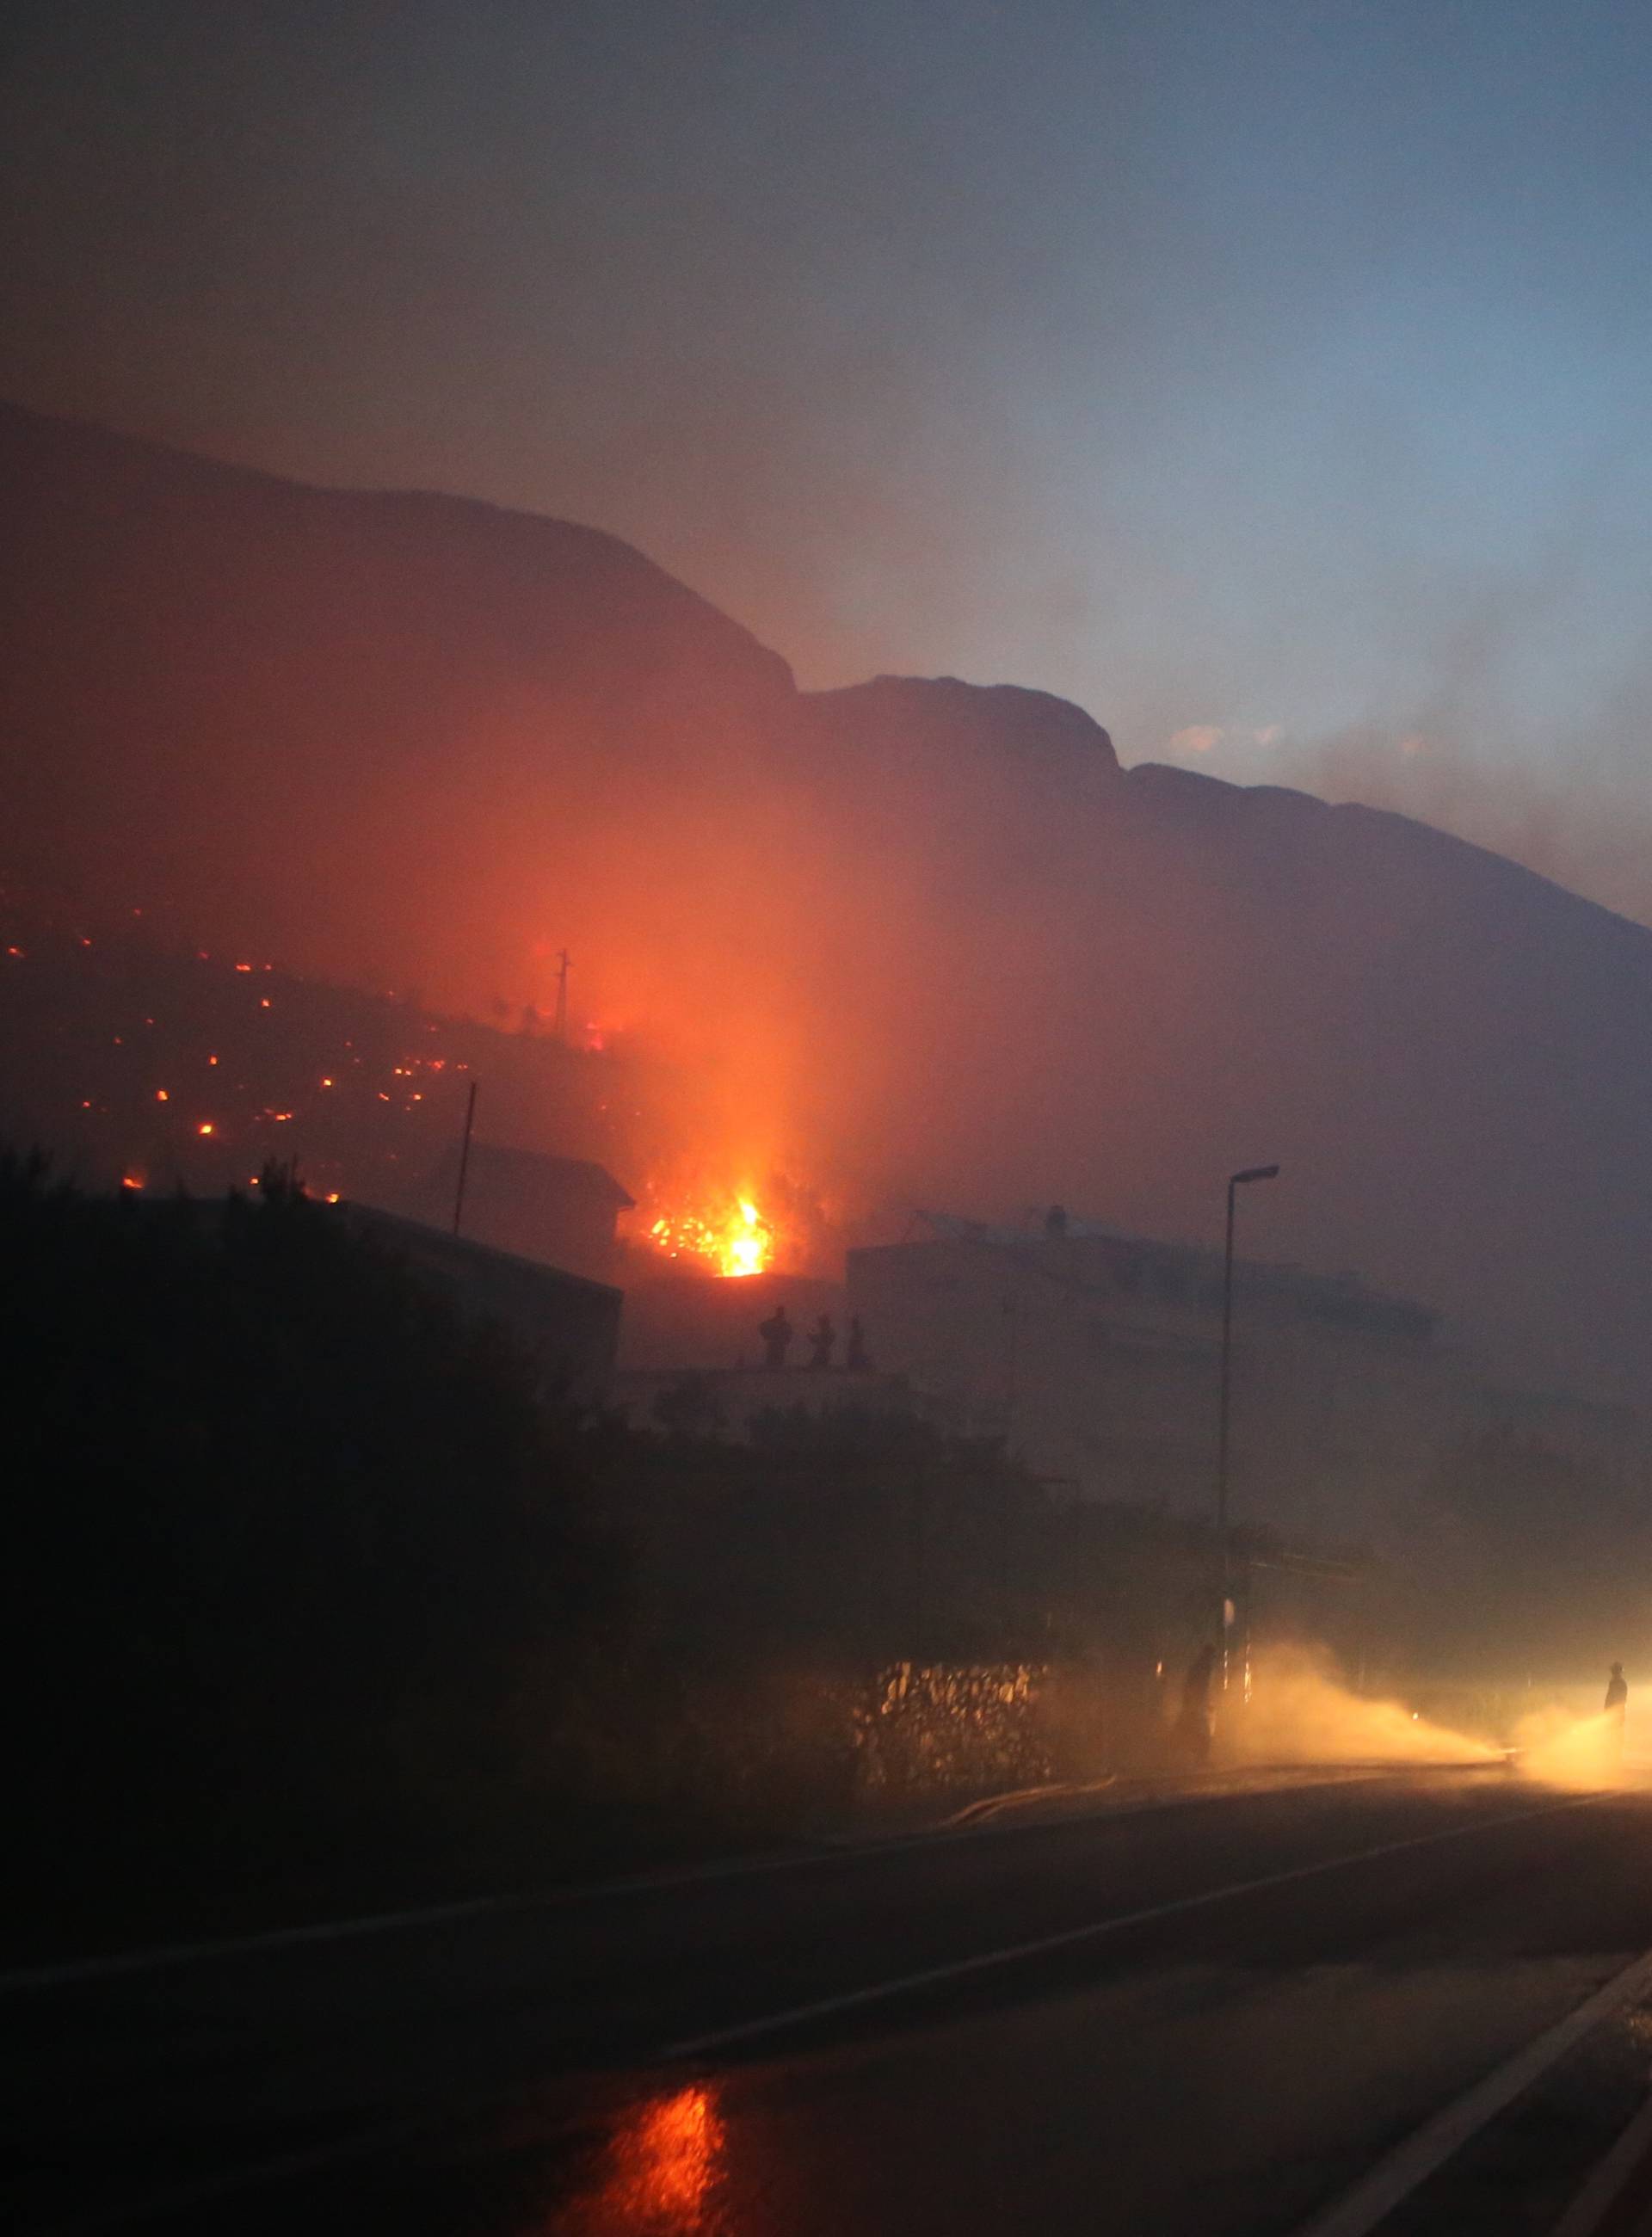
{"points": [[734, 1237]]}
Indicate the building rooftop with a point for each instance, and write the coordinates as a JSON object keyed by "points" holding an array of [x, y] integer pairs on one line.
{"points": [[1088, 1257], [438, 1244], [533, 1168]]}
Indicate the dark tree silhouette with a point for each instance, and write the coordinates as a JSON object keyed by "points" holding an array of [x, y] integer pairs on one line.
{"points": [[284, 1535]]}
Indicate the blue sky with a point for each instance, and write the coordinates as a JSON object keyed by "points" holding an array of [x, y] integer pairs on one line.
{"points": [[1256, 369]]}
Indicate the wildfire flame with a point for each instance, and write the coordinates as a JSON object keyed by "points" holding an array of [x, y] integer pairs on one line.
{"points": [[738, 1239]]}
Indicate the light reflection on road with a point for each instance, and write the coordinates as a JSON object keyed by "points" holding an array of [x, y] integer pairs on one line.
{"points": [[659, 2174]]}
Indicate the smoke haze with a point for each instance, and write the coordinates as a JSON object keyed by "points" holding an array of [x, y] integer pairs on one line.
{"points": [[1213, 374], [1301, 1709]]}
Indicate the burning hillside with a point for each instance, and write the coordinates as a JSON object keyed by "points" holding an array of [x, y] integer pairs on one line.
{"points": [[163, 1071]]}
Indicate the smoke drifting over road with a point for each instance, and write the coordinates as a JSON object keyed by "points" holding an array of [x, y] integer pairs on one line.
{"points": [[1580, 1753], [1301, 1710]]}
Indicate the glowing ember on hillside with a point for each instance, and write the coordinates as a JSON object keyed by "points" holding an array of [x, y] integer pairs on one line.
{"points": [[736, 1238]]}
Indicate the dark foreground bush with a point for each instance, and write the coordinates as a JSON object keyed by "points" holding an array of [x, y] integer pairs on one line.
{"points": [[284, 1536]]}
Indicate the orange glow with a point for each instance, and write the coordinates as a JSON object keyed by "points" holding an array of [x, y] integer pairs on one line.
{"points": [[733, 1235], [131, 1180], [212, 1060], [662, 2169], [332, 1196], [205, 1127], [161, 1095]]}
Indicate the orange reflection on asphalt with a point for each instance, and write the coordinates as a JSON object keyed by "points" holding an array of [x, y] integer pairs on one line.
{"points": [[660, 2170]]}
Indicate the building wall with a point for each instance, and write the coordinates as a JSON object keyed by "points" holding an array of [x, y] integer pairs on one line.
{"points": [[675, 1321], [725, 1402], [568, 1327], [1098, 1359], [559, 1211]]}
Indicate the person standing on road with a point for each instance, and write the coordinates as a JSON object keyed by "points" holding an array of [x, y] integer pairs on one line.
{"points": [[1192, 1725], [1617, 1702]]}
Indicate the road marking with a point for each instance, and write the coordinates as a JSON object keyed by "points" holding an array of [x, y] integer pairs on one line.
{"points": [[1015, 1953], [1608, 2180], [1411, 2163], [257, 2174], [163, 1957]]}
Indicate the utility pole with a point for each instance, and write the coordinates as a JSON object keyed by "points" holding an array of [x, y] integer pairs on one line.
{"points": [[464, 1154], [561, 1028], [1236, 1181]]}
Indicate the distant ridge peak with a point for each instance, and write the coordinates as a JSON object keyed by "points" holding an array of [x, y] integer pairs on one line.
{"points": [[1014, 713]]}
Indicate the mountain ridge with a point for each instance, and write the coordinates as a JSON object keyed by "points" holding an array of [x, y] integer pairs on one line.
{"points": [[926, 941]]}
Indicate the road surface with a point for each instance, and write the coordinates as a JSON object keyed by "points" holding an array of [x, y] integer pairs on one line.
{"points": [[1211, 2020]]}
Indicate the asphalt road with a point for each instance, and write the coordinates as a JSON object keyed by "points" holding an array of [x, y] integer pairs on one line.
{"points": [[1212, 2018]]}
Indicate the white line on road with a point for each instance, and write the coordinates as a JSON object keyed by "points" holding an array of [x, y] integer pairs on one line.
{"points": [[252, 2176], [986, 1961], [1608, 2180], [1409, 2164], [164, 1957]]}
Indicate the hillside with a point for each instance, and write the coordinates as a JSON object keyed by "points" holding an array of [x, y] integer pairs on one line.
{"points": [[916, 941]]}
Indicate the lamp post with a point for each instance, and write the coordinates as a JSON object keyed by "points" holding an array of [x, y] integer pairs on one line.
{"points": [[1236, 1181]]}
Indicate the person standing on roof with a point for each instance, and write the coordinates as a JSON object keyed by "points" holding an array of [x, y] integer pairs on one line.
{"points": [[777, 1333]]}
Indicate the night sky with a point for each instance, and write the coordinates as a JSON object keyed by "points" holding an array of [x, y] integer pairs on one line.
{"points": [[1272, 372]]}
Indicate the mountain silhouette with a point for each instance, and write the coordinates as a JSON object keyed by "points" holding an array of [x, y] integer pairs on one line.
{"points": [[932, 943]]}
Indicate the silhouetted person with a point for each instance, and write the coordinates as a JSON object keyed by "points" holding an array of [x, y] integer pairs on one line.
{"points": [[1193, 1724], [1617, 1702], [1055, 1223], [857, 1358], [823, 1339], [777, 1333]]}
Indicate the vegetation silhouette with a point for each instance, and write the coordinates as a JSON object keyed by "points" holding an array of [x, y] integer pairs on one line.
{"points": [[285, 1533], [312, 1600]]}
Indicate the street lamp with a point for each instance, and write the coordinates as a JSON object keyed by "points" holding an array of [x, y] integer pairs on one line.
{"points": [[1236, 1181]]}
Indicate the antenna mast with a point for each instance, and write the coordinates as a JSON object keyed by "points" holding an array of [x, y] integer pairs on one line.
{"points": [[464, 1154]]}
